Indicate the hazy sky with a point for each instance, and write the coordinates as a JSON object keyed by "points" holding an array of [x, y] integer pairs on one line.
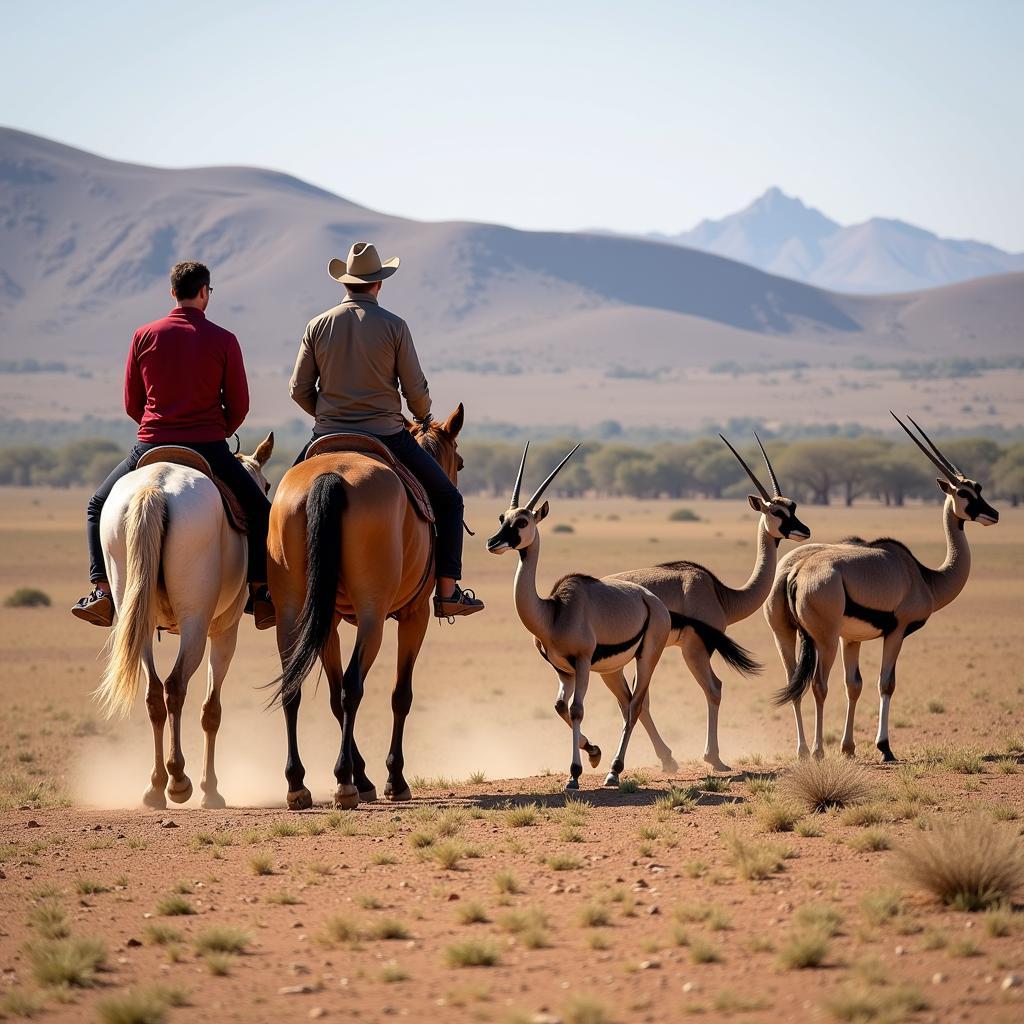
{"points": [[647, 116]]}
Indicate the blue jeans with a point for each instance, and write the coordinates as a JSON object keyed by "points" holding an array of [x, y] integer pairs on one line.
{"points": [[226, 467], [444, 497]]}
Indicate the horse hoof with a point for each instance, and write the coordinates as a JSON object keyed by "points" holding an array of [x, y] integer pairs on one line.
{"points": [[716, 764], [886, 751], [594, 755], [155, 799], [213, 801], [405, 793], [670, 766], [571, 785], [611, 779], [300, 800], [368, 796], [182, 793], [346, 798]]}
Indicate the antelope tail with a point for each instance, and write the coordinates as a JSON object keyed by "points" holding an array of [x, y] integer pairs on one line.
{"points": [[807, 654], [714, 640], [324, 506], [144, 527]]}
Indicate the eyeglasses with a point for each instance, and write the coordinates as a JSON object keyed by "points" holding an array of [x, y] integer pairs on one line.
{"points": [[209, 288]]}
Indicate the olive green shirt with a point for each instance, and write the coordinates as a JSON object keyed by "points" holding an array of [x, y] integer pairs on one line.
{"points": [[355, 364]]}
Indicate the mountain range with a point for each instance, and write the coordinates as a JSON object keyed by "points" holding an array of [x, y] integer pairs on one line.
{"points": [[779, 234], [86, 244]]}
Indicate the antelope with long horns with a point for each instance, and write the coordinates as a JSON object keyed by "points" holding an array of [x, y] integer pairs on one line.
{"points": [[860, 590], [585, 625], [701, 606]]}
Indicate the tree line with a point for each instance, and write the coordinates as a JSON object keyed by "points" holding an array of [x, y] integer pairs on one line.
{"points": [[821, 471]]}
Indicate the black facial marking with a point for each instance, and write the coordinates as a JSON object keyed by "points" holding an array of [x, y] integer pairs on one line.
{"points": [[884, 622]]}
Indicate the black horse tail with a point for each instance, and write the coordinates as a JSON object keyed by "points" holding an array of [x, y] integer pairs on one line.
{"points": [[807, 654], [324, 505], [715, 640]]}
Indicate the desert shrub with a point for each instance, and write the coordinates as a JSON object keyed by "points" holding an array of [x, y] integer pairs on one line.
{"points": [[970, 865], [867, 1003], [27, 597], [389, 929], [871, 840], [778, 816], [562, 528], [819, 785], [752, 859], [804, 949], [222, 940], [471, 913], [71, 961], [521, 815], [145, 1006], [585, 1010], [472, 953], [683, 515]]}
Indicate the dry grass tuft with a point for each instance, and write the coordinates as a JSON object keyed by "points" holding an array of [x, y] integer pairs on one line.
{"points": [[754, 860], [863, 1003], [584, 1010], [222, 939], [804, 949], [71, 962], [831, 782], [472, 953], [969, 865], [778, 816]]}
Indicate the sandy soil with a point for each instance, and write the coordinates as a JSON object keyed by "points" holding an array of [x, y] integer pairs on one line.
{"points": [[685, 934]]}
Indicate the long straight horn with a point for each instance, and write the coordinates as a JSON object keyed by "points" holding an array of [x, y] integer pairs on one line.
{"points": [[757, 483], [519, 479], [940, 465], [934, 447], [551, 476], [768, 463]]}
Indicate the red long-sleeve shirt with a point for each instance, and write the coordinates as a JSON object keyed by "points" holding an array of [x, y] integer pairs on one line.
{"points": [[185, 380]]}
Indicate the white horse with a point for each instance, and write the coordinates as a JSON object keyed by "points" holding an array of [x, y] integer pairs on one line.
{"points": [[174, 562]]}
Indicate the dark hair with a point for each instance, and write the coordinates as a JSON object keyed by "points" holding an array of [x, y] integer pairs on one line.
{"points": [[363, 288], [188, 278]]}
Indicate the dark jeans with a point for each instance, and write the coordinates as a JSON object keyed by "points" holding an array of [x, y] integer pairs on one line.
{"points": [[227, 468], [444, 497]]}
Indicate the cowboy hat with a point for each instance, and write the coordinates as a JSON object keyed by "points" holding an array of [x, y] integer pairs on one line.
{"points": [[363, 266]]}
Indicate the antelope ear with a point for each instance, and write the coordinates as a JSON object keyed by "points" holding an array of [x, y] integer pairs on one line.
{"points": [[755, 502], [542, 512], [453, 424], [265, 450], [946, 486]]}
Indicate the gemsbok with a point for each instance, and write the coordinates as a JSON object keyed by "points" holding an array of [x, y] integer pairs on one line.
{"points": [[702, 606], [585, 625], [860, 590], [176, 564]]}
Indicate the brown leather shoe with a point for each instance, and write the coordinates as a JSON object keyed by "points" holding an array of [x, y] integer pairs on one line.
{"points": [[462, 602], [260, 606], [97, 608]]}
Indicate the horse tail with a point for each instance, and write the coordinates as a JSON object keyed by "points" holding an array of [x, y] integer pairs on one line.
{"points": [[145, 523], [715, 640], [325, 504], [807, 653]]}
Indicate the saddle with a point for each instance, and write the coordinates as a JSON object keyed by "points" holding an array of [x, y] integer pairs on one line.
{"points": [[177, 455], [367, 444]]}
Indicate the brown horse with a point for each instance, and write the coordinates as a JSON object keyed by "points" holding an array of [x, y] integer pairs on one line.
{"points": [[346, 542]]}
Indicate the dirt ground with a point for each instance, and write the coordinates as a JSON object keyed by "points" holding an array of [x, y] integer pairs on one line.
{"points": [[617, 907]]}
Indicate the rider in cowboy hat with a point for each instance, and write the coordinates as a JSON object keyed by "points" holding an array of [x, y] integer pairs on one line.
{"points": [[351, 364], [185, 385]]}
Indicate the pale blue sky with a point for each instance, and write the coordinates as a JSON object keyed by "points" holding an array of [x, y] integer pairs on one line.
{"points": [[646, 116]]}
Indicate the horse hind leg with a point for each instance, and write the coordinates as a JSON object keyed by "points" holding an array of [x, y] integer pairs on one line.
{"points": [[222, 648], [190, 655], [411, 632], [331, 661], [154, 796]]}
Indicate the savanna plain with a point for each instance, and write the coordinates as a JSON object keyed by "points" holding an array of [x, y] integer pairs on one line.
{"points": [[491, 896]]}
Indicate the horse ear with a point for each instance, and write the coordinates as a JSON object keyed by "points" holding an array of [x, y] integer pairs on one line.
{"points": [[265, 449], [453, 424]]}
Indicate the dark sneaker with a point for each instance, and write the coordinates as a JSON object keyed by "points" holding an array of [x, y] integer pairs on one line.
{"points": [[97, 608], [462, 602], [260, 607]]}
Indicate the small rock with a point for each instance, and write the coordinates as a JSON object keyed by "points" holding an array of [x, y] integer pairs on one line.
{"points": [[298, 969], [639, 884], [32, 823], [650, 965], [691, 986], [1011, 981], [555, 889], [317, 1012], [938, 978], [122, 960], [133, 943], [968, 924], [296, 924], [453, 896], [652, 910], [168, 823], [545, 1018], [146, 916], [900, 950], [295, 990], [97, 828]]}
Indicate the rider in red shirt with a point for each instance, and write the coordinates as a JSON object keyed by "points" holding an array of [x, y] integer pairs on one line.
{"points": [[184, 384]]}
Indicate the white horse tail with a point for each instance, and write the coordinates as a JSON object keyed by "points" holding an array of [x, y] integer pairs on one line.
{"points": [[144, 526]]}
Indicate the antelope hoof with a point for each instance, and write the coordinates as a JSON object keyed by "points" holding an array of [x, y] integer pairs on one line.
{"points": [[571, 785], [154, 798], [612, 779], [180, 790], [819, 753], [716, 763], [850, 749], [213, 801], [346, 797], [300, 799], [594, 755], [669, 765], [886, 751], [803, 753], [368, 796]]}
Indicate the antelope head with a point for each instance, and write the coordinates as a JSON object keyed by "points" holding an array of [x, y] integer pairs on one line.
{"points": [[777, 512], [968, 504], [519, 523]]}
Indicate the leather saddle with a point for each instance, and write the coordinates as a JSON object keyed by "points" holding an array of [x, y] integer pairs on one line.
{"points": [[367, 444], [177, 455]]}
